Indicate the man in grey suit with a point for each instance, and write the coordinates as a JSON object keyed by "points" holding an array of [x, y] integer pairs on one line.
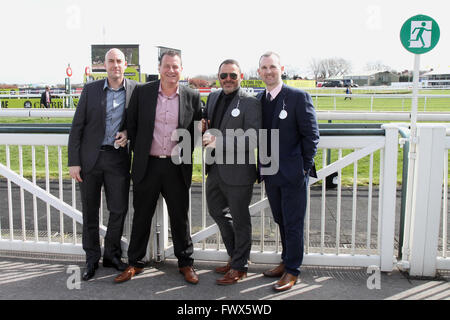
{"points": [[236, 118], [98, 155]]}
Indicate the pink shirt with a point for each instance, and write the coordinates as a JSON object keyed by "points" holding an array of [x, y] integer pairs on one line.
{"points": [[275, 91], [166, 122]]}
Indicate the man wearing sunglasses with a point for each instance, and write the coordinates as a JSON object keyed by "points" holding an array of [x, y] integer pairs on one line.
{"points": [[236, 116], [291, 112]]}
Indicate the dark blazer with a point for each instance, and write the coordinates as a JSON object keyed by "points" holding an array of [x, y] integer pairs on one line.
{"points": [[298, 133], [141, 123], [44, 99], [249, 118], [89, 124]]}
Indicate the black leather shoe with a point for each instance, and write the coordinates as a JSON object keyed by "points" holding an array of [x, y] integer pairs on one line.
{"points": [[115, 263], [90, 271]]}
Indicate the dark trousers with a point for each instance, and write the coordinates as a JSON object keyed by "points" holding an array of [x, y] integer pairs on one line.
{"points": [[112, 171], [235, 226], [162, 177], [288, 204]]}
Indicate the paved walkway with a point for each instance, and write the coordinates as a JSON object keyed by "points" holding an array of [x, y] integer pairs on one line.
{"points": [[45, 279], [40, 277]]}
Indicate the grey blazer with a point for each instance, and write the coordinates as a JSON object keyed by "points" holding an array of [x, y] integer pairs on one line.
{"points": [[240, 144], [89, 124]]}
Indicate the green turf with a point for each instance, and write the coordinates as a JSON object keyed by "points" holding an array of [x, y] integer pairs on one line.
{"points": [[321, 104]]}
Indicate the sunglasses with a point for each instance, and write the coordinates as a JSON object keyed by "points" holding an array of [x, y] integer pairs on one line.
{"points": [[232, 75]]}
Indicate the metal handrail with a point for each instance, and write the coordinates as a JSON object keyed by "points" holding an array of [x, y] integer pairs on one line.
{"points": [[330, 129]]}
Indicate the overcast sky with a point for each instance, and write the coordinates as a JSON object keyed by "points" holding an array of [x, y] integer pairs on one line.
{"points": [[39, 38]]}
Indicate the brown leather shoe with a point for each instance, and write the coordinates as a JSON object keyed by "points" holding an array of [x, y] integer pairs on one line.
{"points": [[275, 272], [224, 269], [189, 274], [129, 273], [285, 283], [231, 277]]}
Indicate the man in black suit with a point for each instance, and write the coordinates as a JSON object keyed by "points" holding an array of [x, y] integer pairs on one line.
{"points": [[237, 118], [98, 155], [157, 109], [291, 112], [46, 98]]}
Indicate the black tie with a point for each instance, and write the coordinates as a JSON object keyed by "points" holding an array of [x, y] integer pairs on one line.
{"points": [[268, 97]]}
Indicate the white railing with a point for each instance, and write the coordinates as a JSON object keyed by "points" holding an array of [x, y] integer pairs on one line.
{"points": [[427, 207], [377, 102], [63, 238], [321, 115], [443, 260], [374, 245], [36, 230], [360, 234], [370, 101]]}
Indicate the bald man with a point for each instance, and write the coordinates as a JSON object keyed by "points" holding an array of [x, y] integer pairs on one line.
{"points": [[98, 156]]}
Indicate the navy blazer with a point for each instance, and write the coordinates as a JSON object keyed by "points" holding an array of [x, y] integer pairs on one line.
{"points": [[298, 133]]}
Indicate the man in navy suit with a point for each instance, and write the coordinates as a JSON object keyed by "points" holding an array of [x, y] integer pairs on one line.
{"points": [[291, 112]]}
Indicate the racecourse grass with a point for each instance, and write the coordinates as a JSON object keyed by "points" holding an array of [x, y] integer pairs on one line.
{"points": [[321, 104]]}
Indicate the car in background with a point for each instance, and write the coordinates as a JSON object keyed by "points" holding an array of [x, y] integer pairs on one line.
{"points": [[333, 83], [349, 83]]}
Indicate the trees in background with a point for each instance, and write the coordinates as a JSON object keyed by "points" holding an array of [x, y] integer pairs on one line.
{"points": [[329, 67]]}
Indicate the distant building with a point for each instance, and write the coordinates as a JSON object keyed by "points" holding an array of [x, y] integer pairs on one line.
{"points": [[361, 79], [437, 78], [371, 78], [385, 78]]}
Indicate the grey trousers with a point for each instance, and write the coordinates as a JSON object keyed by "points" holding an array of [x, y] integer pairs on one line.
{"points": [[228, 206]]}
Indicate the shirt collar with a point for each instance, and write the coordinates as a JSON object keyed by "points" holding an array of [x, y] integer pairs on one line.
{"points": [[172, 96], [231, 94], [106, 86], [275, 91]]}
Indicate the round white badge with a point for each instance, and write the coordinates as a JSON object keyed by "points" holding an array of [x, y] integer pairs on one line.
{"points": [[235, 113], [283, 114]]}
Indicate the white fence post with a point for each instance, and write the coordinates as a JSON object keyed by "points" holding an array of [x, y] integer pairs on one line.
{"points": [[388, 192], [160, 226], [426, 200]]}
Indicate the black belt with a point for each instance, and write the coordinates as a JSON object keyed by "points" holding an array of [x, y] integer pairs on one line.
{"points": [[107, 148], [160, 157]]}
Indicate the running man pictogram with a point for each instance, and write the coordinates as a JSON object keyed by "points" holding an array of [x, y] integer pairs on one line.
{"points": [[420, 34]]}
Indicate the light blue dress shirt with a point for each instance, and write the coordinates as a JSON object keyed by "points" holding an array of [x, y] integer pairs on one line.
{"points": [[115, 108]]}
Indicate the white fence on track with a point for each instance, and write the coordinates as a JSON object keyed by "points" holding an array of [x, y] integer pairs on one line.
{"points": [[351, 226]]}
